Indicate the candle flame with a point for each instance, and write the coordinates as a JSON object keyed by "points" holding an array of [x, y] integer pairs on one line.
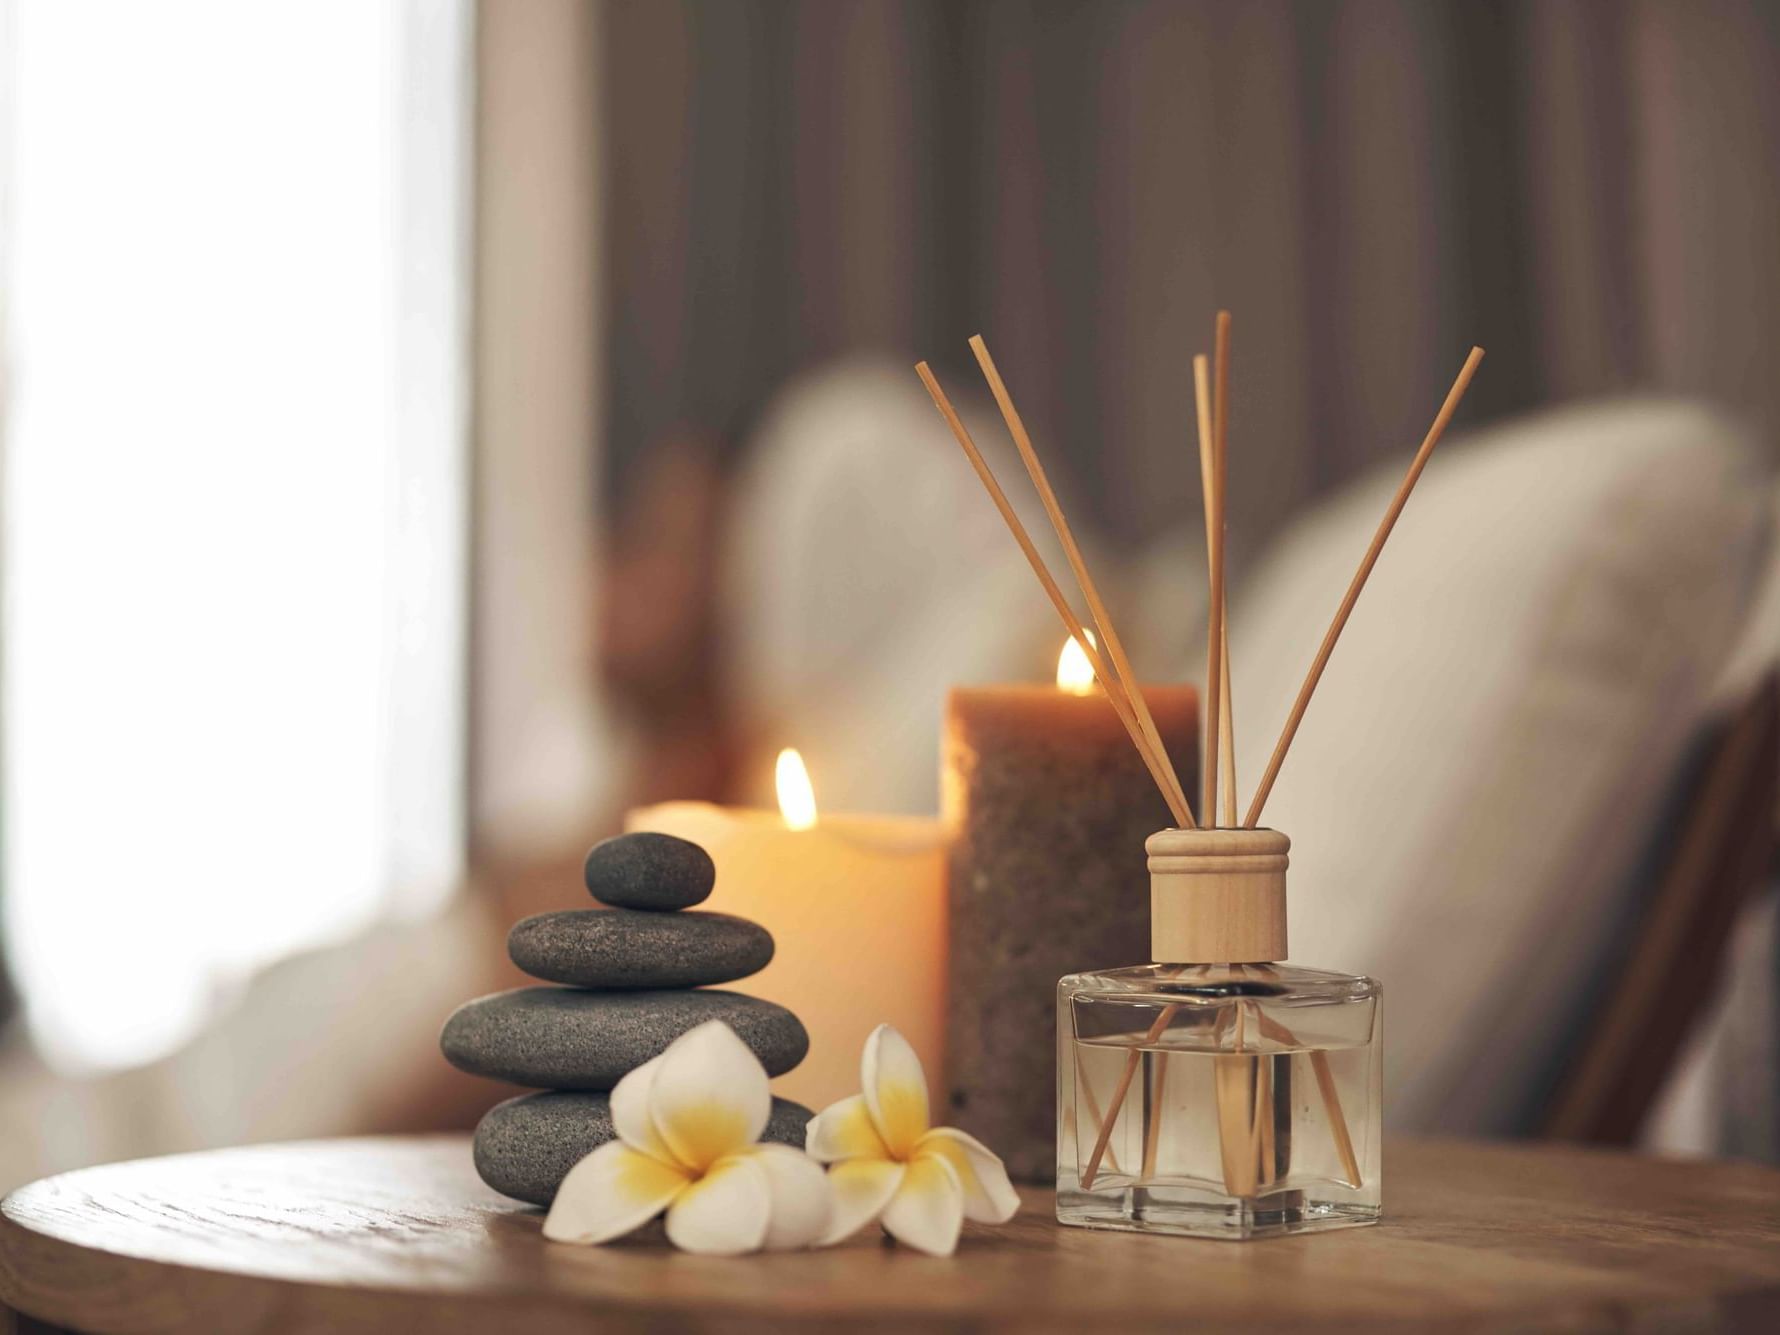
{"points": [[1075, 673], [797, 799]]}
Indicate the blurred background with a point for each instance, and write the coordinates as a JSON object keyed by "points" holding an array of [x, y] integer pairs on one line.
{"points": [[432, 427]]}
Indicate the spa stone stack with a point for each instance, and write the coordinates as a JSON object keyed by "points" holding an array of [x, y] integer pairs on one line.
{"points": [[635, 977]]}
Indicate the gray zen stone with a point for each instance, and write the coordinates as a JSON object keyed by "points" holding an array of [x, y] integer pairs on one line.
{"points": [[650, 871], [560, 1038], [525, 1146], [623, 948]]}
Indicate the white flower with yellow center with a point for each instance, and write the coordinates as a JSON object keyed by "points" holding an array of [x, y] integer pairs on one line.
{"points": [[920, 1182], [687, 1124]]}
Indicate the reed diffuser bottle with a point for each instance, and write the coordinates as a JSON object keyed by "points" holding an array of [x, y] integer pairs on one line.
{"points": [[1216, 1092]]}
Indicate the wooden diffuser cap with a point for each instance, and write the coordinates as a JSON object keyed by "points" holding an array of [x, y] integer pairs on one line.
{"points": [[1217, 896]]}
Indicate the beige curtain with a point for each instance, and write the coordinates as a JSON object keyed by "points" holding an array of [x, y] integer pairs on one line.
{"points": [[1590, 190]]}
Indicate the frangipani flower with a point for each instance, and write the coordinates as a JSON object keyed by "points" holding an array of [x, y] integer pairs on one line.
{"points": [[687, 1123], [921, 1183]]}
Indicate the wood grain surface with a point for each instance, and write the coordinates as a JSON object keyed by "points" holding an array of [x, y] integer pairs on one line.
{"points": [[397, 1234]]}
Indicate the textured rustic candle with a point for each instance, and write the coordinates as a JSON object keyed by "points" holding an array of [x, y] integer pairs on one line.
{"points": [[1047, 805]]}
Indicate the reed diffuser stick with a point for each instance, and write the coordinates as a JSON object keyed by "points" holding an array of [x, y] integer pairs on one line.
{"points": [[1122, 1088], [1226, 757], [1153, 761], [1208, 486], [1447, 409], [1227, 733], [1265, 1110], [1235, 1082], [1115, 647], [1326, 1087], [1214, 635], [1093, 1105], [1224, 738], [1152, 1139]]}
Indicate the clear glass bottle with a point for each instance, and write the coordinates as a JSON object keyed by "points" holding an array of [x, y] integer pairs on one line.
{"points": [[1216, 1099]]}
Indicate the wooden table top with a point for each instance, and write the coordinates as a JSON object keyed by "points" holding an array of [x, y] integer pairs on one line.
{"points": [[398, 1234]]}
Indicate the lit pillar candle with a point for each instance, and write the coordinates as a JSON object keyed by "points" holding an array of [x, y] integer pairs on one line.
{"points": [[1046, 805], [856, 906]]}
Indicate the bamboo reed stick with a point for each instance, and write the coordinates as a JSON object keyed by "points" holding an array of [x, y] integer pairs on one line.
{"points": [[1226, 757], [1265, 1110], [1264, 1099], [1153, 761], [1263, 1113], [1447, 409], [1227, 735], [1208, 486], [1344, 1144], [1234, 1081], [1152, 1139], [1132, 1058], [1087, 1089], [1223, 738], [1214, 634], [1108, 632], [1326, 1087]]}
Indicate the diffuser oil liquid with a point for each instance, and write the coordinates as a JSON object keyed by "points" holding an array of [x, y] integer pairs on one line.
{"points": [[1228, 1101]]}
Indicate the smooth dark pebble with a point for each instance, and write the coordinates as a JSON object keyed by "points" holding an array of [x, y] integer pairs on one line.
{"points": [[646, 870], [565, 1038], [526, 1146], [627, 948]]}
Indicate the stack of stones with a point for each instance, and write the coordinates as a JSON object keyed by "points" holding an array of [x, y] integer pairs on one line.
{"points": [[634, 977]]}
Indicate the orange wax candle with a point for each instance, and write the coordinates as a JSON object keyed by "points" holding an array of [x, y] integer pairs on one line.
{"points": [[856, 906], [1046, 805]]}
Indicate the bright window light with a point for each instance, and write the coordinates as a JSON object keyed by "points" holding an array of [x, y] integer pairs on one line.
{"points": [[232, 499]]}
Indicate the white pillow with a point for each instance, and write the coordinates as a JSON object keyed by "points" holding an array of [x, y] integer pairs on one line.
{"points": [[1491, 743]]}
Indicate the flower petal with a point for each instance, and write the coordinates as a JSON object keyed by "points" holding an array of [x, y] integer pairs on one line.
{"points": [[801, 1197], [725, 1212], [927, 1210], [709, 1097], [862, 1188], [989, 1198], [630, 1111], [610, 1192], [844, 1130], [895, 1090]]}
